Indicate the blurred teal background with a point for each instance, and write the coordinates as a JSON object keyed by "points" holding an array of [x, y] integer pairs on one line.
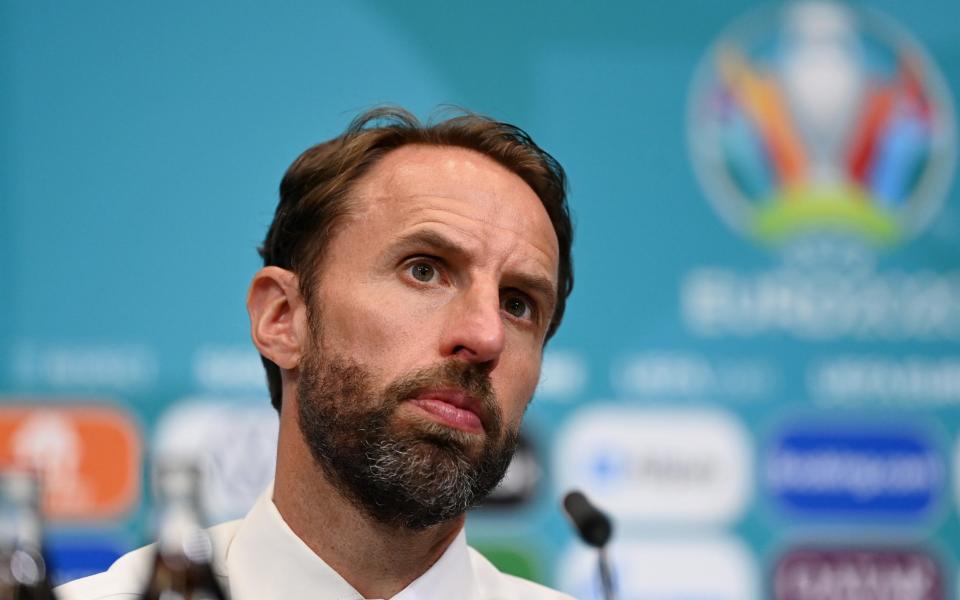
{"points": [[141, 146]]}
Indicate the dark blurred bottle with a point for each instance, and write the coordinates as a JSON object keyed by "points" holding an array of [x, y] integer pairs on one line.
{"points": [[23, 570], [183, 566]]}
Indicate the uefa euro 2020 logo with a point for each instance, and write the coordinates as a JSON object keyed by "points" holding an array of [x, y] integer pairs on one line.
{"points": [[818, 119]]}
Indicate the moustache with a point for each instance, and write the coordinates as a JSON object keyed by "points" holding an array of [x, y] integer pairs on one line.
{"points": [[469, 378]]}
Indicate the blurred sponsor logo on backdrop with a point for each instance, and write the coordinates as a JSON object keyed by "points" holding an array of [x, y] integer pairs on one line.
{"points": [[916, 382], [76, 367], [563, 376], [855, 471], [660, 375], [826, 131], [75, 556], [88, 456], [877, 574], [234, 442], [228, 369], [708, 568], [670, 466], [818, 116]]}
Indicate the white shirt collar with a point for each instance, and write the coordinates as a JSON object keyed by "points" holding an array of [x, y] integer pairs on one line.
{"points": [[266, 560]]}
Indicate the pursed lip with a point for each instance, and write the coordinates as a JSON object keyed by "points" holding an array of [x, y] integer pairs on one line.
{"points": [[466, 413]]}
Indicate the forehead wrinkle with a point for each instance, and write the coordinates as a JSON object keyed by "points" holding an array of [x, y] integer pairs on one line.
{"points": [[483, 239], [495, 217], [395, 185]]}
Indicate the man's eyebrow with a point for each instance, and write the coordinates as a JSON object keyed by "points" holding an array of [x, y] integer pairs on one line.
{"points": [[538, 285], [431, 239]]}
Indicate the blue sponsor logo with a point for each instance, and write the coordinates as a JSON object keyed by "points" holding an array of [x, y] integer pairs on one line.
{"points": [[78, 556], [609, 467], [877, 474]]}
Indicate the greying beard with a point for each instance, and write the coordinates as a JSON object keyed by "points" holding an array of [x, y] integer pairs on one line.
{"points": [[442, 493], [415, 476]]}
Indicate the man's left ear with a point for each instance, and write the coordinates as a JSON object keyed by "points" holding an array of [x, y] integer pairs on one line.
{"points": [[277, 316]]}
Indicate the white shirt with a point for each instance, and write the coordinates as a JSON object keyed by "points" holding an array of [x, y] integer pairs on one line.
{"points": [[260, 558]]}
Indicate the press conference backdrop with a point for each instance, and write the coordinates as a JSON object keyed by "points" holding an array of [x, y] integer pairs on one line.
{"points": [[758, 374]]}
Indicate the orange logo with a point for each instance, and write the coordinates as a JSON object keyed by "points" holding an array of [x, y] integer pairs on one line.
{"points": [[88, 457]]}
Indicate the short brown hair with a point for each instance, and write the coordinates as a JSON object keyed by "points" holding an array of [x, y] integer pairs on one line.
{"points": [[314, 190]]}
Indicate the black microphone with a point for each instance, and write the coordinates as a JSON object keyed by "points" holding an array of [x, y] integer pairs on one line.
{"points": [[593, 526], [595, 529]]}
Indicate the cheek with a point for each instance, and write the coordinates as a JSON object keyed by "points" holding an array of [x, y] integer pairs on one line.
{"points": [[375, 327], [519, 384]]}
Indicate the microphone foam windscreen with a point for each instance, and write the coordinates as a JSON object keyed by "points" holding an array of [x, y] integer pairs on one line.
{"points": [[593, 526]]}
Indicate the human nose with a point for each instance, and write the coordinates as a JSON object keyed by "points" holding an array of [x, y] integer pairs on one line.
{"points": [[474, 331]]}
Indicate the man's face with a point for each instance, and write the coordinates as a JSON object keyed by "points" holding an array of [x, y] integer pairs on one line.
{"points": [[428, 319]]}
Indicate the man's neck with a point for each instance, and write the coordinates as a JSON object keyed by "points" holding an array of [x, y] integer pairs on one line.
{"points": [[377, 560]]}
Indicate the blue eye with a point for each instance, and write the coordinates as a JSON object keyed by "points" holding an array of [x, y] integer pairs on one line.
{"points": [[517, 306], [422, 271]]}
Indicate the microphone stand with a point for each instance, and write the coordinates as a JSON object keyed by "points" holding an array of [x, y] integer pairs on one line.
{"points": [[606, 575], [595, 529]]}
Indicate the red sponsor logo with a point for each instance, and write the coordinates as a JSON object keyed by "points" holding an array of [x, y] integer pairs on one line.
{"points": [[88, 457]]}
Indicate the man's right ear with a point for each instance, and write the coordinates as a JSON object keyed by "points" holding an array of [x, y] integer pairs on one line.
{"points": [[277, 316]]}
